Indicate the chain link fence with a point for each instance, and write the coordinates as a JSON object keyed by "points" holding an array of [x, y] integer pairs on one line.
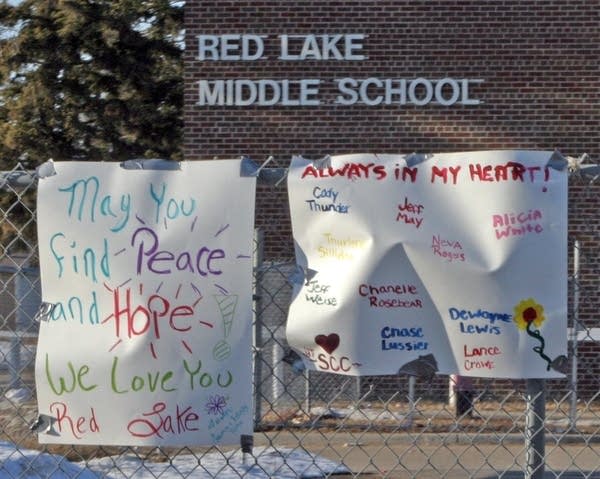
{"points": [[316, 424]]}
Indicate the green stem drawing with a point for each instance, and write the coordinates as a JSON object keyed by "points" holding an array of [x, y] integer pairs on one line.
{"points": [[535, 333]]}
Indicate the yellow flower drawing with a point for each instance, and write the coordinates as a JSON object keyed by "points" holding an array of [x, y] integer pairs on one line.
{"points": [[528, 313]]}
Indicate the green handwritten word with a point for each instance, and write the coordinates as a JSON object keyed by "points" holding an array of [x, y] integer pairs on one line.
{"points": [[150, 381], [205, 379], [72, 380]]}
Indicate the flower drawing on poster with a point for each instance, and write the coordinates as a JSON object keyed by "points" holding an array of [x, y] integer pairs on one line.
{"points": [[530, 315]]}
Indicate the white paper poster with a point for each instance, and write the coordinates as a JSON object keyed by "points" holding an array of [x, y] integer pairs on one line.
{"points": [[455, 261], [147, 287]]}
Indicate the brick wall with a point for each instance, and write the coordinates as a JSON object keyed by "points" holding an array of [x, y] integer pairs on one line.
{"points": [[540, 62]]}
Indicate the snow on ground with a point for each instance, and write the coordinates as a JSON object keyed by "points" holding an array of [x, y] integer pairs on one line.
{"points": [[264, 463]]}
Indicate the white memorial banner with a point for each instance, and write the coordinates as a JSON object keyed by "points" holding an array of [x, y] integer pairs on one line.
{"points": [[454, 262], [145, 335]]}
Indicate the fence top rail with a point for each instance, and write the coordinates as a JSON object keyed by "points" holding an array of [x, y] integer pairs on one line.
{"points": [[21, 179]]}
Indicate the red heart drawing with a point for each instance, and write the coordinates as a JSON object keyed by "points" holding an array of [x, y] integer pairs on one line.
{"points": [[328, 343]]}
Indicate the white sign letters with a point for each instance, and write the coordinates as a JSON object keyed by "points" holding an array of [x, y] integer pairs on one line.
{"points": [[370, 91]]}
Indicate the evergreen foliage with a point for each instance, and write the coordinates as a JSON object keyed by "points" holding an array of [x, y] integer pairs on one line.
{"points": [[90, 80]]}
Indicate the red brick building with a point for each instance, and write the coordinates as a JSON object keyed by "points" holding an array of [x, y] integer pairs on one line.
{"points": [[382, 76]]}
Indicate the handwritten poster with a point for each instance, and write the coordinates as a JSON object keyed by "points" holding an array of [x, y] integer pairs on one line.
{"points": [[145, 336], [459, 258]]}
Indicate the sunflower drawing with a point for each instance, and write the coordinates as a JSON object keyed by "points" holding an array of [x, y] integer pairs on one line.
{"points": [[530, 314]]}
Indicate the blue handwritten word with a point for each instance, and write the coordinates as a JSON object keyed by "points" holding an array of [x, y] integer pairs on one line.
{"points": [[203, 261], [174, 208], [74, 308], [479, 329], [86, 259], [490, 318], [389, 343], [229, 422], [465, 315], [85, 202], [389, 332], [326, 193]]}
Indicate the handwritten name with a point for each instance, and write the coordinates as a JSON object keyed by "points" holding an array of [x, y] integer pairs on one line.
{"points": [[378, 299], [448, 249], [390, 341], [491, 321], [340, 248], [410, 213], [481, 351], [466, 314], [325, 194], [318, 294], [517, 224], [228, 422]]}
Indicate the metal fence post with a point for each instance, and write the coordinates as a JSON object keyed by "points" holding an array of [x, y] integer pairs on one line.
{"points": [[534, 428], [574, 337], [257, 318], [27, 298]]}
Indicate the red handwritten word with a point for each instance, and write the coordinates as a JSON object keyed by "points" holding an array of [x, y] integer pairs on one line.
{"points": [[156, 422], [471, 364], [327, 363], [449, 249], [410, 213], [76, 426], [481, 351], [442, 173], [517, 224], [144, 318], [406, 173], [349, 170], [511, 171]]}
